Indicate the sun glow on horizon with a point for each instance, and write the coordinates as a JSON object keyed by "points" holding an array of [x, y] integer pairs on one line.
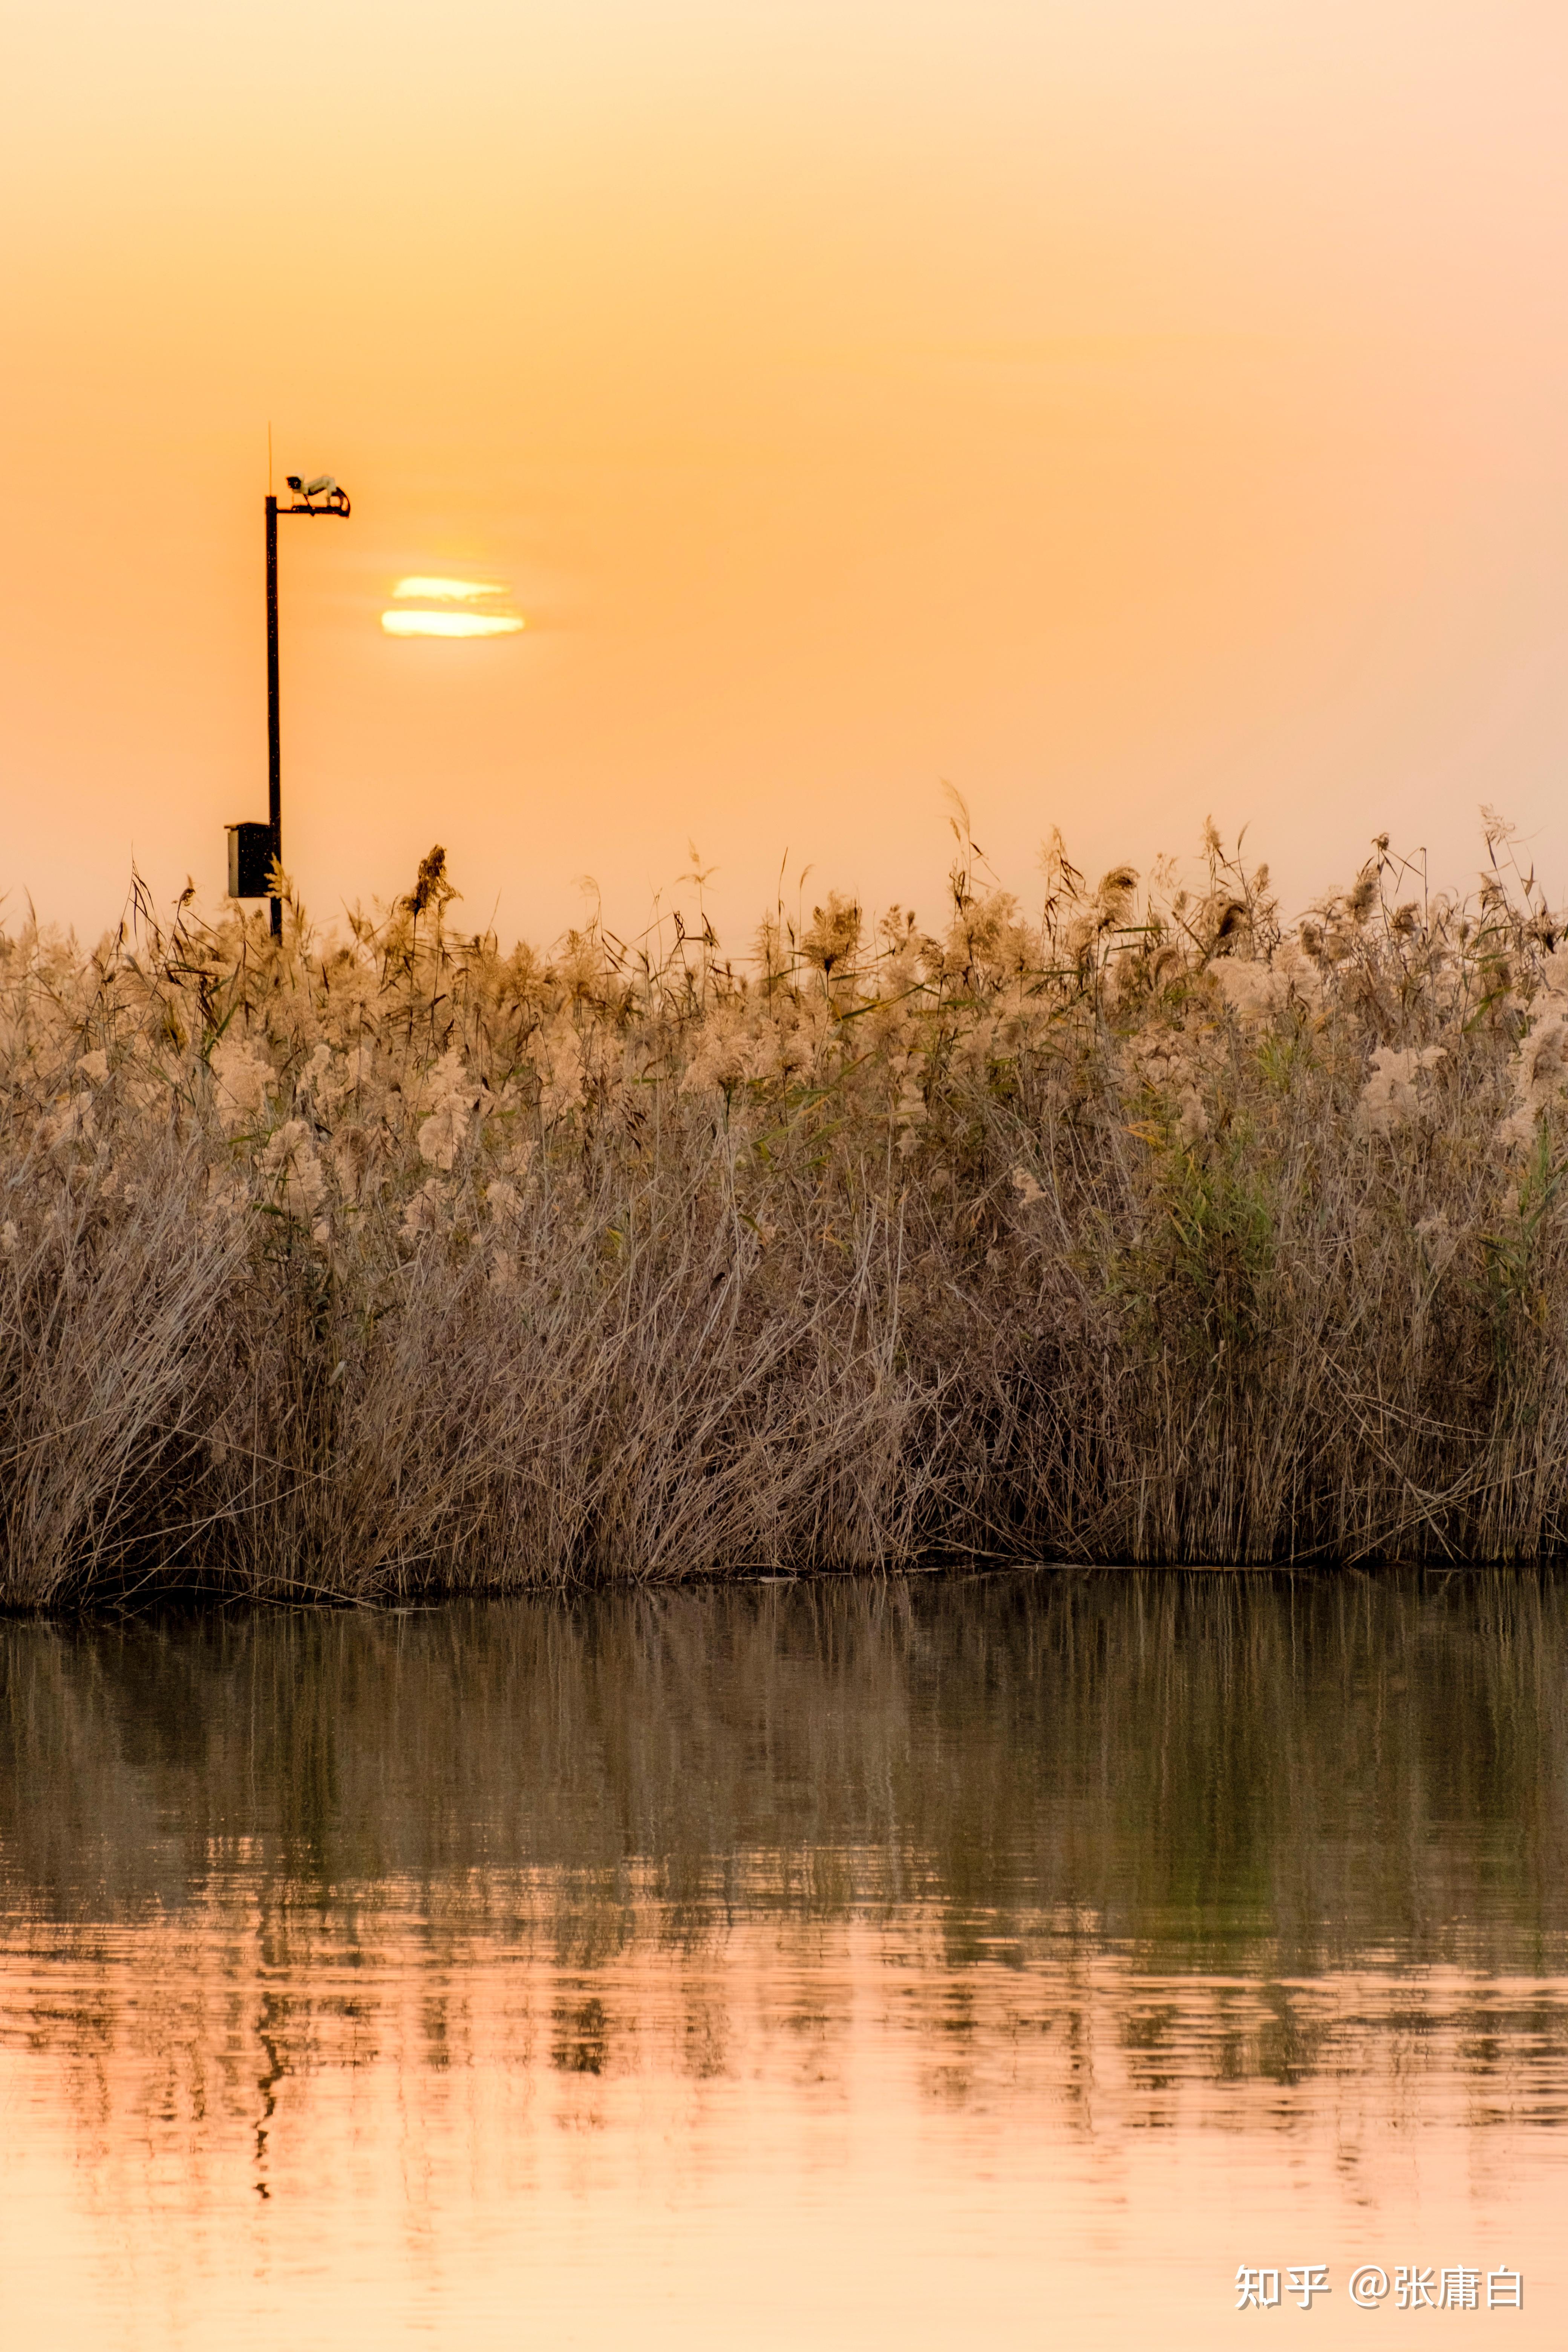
{"points": [[452, 625], [458, 591]]}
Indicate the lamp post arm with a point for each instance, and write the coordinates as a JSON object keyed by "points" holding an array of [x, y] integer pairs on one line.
{"points": [[335, 502]]}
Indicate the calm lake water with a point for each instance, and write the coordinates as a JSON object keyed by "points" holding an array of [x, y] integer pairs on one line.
{"points": [[1001, 1960]]}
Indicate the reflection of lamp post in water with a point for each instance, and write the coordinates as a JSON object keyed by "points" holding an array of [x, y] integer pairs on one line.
{"points": [[254, 849]]}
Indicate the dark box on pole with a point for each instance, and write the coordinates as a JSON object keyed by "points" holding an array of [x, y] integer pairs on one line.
{"points": [[249, 860]]}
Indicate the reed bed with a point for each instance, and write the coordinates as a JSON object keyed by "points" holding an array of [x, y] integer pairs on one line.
{"points": [[1138, 1225]]}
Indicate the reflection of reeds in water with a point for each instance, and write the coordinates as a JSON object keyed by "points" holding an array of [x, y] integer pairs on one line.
{"points": [[1284, 1772], [1140, 1229], [1141, 1834]]}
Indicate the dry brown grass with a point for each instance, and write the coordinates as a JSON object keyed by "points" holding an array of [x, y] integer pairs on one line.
{"points": [[1137, 1228]]}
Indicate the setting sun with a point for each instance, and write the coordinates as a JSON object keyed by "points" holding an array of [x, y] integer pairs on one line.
{"points": [[452, 625]]}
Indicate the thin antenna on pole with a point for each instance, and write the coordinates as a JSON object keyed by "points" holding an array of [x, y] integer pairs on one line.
{"points": [[269, 456]]}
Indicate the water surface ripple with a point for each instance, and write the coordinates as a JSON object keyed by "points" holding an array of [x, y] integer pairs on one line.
{"points": [[844, 1963]]}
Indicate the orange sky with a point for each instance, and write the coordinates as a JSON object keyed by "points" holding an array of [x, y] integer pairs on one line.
{"points": [[1125, 408]]}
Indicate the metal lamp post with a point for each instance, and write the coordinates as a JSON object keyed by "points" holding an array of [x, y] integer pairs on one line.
{"points": [[254, 849]]}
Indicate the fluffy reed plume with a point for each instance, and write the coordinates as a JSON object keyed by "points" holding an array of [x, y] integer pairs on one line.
{"points": [[1139, 1227]]}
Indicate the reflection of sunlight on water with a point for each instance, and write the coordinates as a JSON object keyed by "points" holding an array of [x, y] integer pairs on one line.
{"points": [[264, 2120], [828, 1968]]}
